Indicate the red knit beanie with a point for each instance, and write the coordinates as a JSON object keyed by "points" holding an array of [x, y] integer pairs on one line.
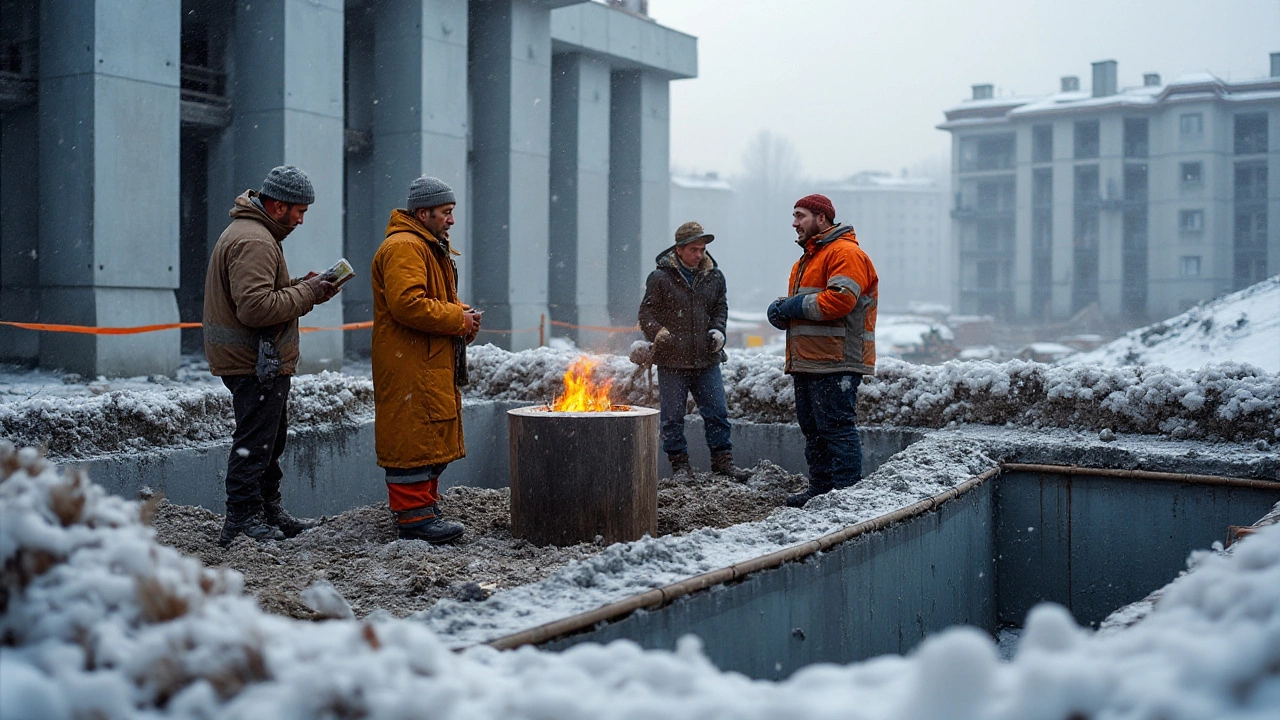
{"points": [[818, 205]]}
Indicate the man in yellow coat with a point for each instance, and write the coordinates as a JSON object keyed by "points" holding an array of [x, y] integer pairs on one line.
{"points": [[420, 333]]}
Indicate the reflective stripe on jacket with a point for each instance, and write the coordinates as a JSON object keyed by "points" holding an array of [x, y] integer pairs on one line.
{"points": [[840, 285]]}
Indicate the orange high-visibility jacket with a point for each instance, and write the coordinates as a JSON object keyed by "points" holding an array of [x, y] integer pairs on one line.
{"points": [[840, 285]]}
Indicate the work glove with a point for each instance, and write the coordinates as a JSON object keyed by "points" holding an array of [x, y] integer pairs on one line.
{"points": [[775, 315], [717, 340], [662, 337], [641, 353]]}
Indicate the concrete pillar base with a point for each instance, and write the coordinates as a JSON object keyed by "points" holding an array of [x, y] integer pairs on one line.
{"points": [[152, 353]]}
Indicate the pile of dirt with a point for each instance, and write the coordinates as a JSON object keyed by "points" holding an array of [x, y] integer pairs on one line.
{"points": [[358, 551]]}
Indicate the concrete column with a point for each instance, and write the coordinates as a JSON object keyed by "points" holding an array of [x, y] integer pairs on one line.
{"points": [[578, 278], [420, 112], [288, 110], [108, 131], [510, 58], [639, 180], [19, 218]]}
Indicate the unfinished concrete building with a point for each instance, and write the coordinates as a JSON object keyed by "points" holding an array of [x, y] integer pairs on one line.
{"points": [[127, 127]]}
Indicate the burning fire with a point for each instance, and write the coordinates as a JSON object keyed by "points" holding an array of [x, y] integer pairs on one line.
{"points": [[581, 392]]}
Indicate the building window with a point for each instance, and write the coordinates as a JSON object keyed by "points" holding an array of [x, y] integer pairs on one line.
{"points": [[1251, 134], [986, 152], [1191, 174], [1041, 143], [1086, 140], [1191, 221], [1189, 266], [1135, 137], [1191, 124]]}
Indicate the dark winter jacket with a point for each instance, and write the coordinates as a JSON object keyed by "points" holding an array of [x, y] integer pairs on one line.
{"points": [[687, 310]]}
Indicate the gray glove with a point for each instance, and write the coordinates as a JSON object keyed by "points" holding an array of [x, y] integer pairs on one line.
{"points": [[642, 353], [717, 340]]}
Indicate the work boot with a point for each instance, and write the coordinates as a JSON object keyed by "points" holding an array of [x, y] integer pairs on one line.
{"points": [[722, 463], [275, 514], [434, 531], [251, 525], [681, 471], [800, 499]]}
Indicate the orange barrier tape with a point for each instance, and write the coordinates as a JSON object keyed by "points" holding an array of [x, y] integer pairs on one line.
{"points": [[89, 330], [598, 328], [349, 326], [507, 332]]}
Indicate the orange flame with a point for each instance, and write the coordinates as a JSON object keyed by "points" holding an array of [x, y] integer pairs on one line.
{"points": [[581, 392]]}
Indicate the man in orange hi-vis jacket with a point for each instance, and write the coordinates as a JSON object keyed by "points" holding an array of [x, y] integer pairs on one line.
{"points": [[830, 319]]}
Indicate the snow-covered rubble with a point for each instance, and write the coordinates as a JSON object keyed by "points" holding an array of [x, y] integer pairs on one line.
{"points": [[100, 621], [1227, 401], [1243, 327]]}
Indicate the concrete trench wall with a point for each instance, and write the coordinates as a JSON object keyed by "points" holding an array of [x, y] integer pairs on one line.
{"points": [[984, 559], [328, 472]]}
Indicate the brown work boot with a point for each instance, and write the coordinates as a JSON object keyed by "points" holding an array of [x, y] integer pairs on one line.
{"points": [[681, 471], [722, 463]]}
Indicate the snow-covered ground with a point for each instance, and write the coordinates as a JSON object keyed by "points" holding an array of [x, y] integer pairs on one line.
{"points": [[1227, 401], [100, 621], [1242, 327]]}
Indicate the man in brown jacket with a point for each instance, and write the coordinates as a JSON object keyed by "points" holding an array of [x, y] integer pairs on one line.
{"points": [[420, 333], [251, 311]]}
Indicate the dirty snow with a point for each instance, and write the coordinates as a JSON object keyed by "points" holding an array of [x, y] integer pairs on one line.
{"points": [[1242, 327], [1226, 401], [101, 621]]}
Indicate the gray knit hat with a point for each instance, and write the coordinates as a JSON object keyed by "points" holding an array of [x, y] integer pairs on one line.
{"points": [[288, 184], [428, 192]]}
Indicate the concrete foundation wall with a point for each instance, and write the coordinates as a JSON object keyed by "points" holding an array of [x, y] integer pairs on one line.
{"points": [[327, 472], [880, 593]]}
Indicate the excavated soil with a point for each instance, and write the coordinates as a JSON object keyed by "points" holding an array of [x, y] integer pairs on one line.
{"points": [[358, 551]]}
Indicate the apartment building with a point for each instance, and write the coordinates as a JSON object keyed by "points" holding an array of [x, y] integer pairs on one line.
{"points": [[1142, 200]]}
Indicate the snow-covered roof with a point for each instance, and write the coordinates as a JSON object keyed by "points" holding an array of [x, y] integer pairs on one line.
{"points": [[1193, 86]]}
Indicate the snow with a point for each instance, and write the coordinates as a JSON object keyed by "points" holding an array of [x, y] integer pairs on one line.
{"points": [[1226, 400], [1242, 327], [100, 621]]}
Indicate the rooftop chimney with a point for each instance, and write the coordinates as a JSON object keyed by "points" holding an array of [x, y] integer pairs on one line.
{"points": [[1104, 78], [982, 92], [1275, 64], [1151, 79], [1070, 83]]}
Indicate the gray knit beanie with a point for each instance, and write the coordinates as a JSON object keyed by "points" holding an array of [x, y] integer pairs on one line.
{"points": [[428, 192], [289, 185]]}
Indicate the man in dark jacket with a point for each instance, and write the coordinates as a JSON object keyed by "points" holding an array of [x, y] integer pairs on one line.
{"points": [[251, 311], [683, 314]]}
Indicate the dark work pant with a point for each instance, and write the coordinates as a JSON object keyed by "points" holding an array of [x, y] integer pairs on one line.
{"points": [[827, 408], [707, 386], [262, 426]]}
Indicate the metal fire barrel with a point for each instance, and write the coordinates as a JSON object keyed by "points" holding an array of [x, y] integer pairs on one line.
{"points": [[579, 475]]}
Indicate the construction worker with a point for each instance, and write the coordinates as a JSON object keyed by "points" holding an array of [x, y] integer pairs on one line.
{"points": [[830, 319], [683, 314], [251, 311], [420, 333]]}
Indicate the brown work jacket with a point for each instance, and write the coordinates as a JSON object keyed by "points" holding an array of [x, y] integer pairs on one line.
{"points": [[416, 316], [247, 290]]}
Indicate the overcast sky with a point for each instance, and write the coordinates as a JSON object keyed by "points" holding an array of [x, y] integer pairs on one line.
{"points": [[860, 84]]}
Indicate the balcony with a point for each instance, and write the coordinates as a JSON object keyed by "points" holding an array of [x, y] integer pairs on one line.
{"points": [[205, 104]]}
